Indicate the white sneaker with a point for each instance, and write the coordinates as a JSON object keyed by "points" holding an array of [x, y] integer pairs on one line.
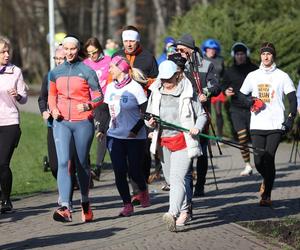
{"points": [[247, 170]]}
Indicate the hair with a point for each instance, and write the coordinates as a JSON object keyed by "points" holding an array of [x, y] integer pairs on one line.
{"points": [[93, 41], [5, 41], [131, 27], [267, 46], [138, 75]]}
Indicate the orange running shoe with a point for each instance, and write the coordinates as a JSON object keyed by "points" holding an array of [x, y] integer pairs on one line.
{"points": [[86, 213], [62, 214]]}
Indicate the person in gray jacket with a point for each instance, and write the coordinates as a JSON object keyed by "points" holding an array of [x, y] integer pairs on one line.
{"points": [[173, 100]]}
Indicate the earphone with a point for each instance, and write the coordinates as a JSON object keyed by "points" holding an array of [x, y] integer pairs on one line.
{"points": [[242, 44]]}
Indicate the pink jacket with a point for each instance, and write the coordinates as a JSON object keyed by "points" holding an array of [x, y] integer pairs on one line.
{"points": [[101, 68], [11, 78]]}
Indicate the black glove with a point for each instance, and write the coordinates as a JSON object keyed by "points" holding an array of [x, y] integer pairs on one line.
{"points": [[288, 124]]}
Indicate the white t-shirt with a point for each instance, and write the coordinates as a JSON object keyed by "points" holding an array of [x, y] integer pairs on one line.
{"points": [[270, 87], [123, 108]]}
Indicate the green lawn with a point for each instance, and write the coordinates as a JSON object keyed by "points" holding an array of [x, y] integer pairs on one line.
{"points": [[26, 164]]}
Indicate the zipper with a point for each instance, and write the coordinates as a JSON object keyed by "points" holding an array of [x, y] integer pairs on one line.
{"points": [[68, 91]]}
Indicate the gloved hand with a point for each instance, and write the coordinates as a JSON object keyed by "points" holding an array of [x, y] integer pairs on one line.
{"points": [[257, 105], [288, 124], [206, 92]]}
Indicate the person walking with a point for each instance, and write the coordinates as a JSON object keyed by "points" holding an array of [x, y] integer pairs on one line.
{"points": [[13, 90], [100, 64], [74, 92], [185, 45], [240, 115], [174, 100], [169, 48], [211, 50], [268, 85], [125, 102], [142, 59]]}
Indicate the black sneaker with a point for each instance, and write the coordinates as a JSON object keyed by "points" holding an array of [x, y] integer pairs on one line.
{"points": [[96, 173], [6, 206], [199, 192]]}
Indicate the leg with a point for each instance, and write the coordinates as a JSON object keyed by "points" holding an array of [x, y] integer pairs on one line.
{"points": [[202, 166], [180, 164], [9, 138], [62, 136], [52, 152], [219, 117], [83, 133], [271, 148], [118, 155]]}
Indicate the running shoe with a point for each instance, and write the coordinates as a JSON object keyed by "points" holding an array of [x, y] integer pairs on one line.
{"points": [[144, 198], [247, 170], [170, 222], [6, 206], [86, 212], [265, 202], [165, 187], [135, 200], [183, 218], [62, 214], [127, 210]]}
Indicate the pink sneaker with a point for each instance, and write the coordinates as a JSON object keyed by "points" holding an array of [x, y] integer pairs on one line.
{"points": [[144, 198], [127, 210]]}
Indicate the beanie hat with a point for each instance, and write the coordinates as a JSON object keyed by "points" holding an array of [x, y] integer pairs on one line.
{"points": [[186, 40], [268, 47], [121, 63], [166, 69]]}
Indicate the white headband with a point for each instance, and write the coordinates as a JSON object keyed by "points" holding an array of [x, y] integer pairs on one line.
{"points": [[130, 35], [71, 39]]}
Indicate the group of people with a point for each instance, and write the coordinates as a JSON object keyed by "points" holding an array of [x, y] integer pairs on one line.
{"points": [[139, 107]]}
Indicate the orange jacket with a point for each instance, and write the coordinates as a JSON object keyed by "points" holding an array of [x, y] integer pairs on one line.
{"points": [[72, 84]]}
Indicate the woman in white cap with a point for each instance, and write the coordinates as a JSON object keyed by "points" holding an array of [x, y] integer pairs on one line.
{"points": [[74, 92], [174, 101]]}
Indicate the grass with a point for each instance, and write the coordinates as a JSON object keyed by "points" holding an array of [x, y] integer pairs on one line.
{"points": [[26, 164], [285, 230]]}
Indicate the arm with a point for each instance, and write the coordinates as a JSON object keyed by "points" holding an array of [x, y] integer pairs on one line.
{"points": [[43, 97], [140, 123]]}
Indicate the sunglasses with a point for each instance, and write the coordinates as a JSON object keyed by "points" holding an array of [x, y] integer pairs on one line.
{"points": [[90, 53], [180, 50]]}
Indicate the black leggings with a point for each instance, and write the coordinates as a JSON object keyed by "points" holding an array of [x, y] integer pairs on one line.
{"points": [[9, 139], [265, 161]]}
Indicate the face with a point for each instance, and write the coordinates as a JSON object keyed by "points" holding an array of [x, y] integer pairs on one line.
{"points": [[169, 84], [4, 54], [93, 53], [59, 57], [71, 51], [130, 45], [115, 72], [210, 53], [183, 50], [240, 57], [267, 59]]}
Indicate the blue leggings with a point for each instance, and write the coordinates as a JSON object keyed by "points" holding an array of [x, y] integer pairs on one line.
{"points": [[82, 133], [126, 157]]}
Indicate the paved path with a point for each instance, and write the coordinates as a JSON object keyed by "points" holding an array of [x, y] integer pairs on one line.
{"points": [[213, 227]]}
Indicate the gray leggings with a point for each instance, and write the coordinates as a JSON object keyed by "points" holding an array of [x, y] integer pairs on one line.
{"points": [[175, 166]]}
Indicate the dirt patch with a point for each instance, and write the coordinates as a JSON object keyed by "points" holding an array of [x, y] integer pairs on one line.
{"points": [[286, 230]]}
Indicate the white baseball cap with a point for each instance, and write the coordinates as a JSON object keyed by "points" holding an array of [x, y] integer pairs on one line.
{"points": [[166, 69]]}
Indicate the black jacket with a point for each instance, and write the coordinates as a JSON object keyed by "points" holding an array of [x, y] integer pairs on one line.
{"points": [[234, 77]]}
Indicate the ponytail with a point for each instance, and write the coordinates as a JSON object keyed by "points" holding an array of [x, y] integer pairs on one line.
{"points": [[138, 75]]}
